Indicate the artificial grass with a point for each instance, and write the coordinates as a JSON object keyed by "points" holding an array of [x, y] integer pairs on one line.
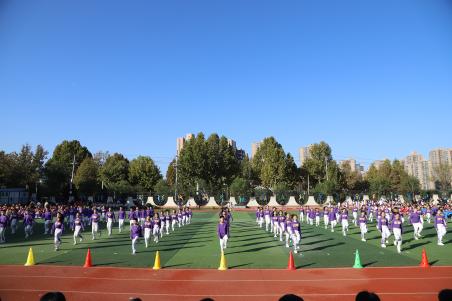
{"points": [[196, 246]]}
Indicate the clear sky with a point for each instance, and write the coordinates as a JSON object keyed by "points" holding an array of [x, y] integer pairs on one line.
{"points": [[371, 78]]}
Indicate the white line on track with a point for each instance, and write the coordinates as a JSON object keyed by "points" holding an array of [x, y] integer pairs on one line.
{"points": [[224, 280], [210, 295]]}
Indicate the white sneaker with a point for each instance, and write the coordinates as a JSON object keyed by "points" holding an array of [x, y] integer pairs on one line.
{"points": [[295, 251], [383, 246], [287, 246], [395, 243], [440, 244], [363, 239]]}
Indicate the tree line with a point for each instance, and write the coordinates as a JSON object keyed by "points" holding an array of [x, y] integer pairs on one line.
{"points": [[203, 167]]}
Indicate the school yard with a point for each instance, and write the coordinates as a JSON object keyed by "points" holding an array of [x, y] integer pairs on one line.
{"points": [[257, 265]]}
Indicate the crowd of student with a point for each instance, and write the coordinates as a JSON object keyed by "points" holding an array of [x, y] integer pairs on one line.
{"points": [[57, 219]]}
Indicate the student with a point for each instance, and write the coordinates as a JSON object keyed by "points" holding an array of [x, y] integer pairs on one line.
{"points": [[28, 224], [168, 221], [317, 217], [147, 230], [363, 225], [267, 219], [173, 220], [383, 226], [332, 218], [222, 231], [135, 234], [397, 229], [289, 229], [13, 221], [301, 211], [95, 217], [47, 221], [355, 215], [282, 225], [78, 227], [156, 227], [326, 218], [440, 226], [260, 217], [110, 220], [121, 218], [3, 226], [57, 231], [162, 222], [416, 221], [344, 221], [275, 219], [296, 236]]}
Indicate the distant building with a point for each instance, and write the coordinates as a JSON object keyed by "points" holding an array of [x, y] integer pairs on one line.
{"points": [[254, 147], [305, 153], [232, 143], [240, 154], [378, 163], [13, 195], [354, 166], [181, 141], [416, 166], [440, 156]]}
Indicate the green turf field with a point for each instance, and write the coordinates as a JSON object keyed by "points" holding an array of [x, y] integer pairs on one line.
{"points": [[196, 246]]}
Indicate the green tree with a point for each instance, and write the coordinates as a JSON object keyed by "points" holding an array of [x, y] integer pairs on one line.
{"points": [[316, 165], [271, 164], [240, 188], [58, 169], [144, 172], [86, 179], [163, 189], [442, 176], [171, 173], [115, 172], [410, 184]]}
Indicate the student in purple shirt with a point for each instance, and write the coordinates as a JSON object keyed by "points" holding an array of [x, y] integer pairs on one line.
{"points": [[173, 219], [296, 236], [110, 215], [397, 229], [416, 221], [363, 225], [78, 227], [121, 218], [222, 231], [57, 231], [344, 221], [28, 223], [135, 234], [288, 228], [95, 218], [47, 216], [156, 227], [3, 225], [332, 219], [147, 230], [440, 226]]}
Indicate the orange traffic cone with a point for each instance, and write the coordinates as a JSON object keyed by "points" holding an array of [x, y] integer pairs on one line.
{"points": [[291, 264], [88, 263], [424, 261]]}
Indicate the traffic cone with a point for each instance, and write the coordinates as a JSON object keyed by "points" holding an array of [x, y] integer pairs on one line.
{"points": [[424, 261], [223, 264], [291, 264], [157, 265], [30, 258], [88, 263], [357, 264]]}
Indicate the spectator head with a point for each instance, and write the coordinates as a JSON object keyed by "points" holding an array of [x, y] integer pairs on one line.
{"points": [[367, 296], [207, 299], [290, 297], [53, 296], [445, 294]]}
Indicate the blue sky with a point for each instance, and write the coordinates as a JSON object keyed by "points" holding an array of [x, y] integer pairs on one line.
{"points": [[372, 78]]}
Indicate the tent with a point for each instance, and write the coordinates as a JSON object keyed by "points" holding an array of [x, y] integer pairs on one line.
{"points": [[273, 202], [253, 203], [211, 203], [232, 201], [329, 200], [292, 202], [170, 203], [151, 201], [311, 201]]}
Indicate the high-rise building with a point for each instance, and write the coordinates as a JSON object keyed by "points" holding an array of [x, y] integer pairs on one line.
{"points": [[378, 163], [254, 147], [232, 143], [354, 166], [416, 166], [181, 141], [440, 156], [305, 153]]}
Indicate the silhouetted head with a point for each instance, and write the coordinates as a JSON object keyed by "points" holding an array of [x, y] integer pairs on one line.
{"points": [[290, 297]]}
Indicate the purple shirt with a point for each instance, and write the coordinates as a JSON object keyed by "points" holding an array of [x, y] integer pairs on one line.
{"points": [[122, 214], [396, 224], [440, 220], [3, 221], [135, 231], [78, 222], [95, 218], [415, 217], [57, 225], [222, 230]]}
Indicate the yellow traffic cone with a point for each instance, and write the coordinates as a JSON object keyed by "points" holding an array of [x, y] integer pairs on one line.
{"points": [[223, 264], [30, 258], [157, 265]]}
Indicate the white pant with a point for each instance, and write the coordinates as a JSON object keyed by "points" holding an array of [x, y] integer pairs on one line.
{"points": [[47, 226], [385, 233], [417, 229], [173, 223], [301, 217], [57, 238], [13, 226], [363, 228], [2, 234], [121, 225], [223, 243], [296, 240], [134, 242], [326, 220], [156, 233], [333, 224], [344, 226], [28, 230], [167, 224], [147, 236], [398, 239], [268, 223], [109, 225], [441, 231], [77, 230], [317, 221], [94, 228]]}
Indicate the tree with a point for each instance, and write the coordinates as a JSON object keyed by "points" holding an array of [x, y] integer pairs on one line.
{"points": [[171, 173], [115, 169], [162, 188], [320, 156], [410, 184], [442, 175], [144, 172], [271, 164], [240, 188], [58, 169], [86, 179]]}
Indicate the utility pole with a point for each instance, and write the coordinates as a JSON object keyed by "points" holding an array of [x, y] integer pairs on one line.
{"points": [[72, 176], [175, 186]]}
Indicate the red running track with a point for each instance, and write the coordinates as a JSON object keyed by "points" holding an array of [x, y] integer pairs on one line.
{"points": [[77, 283]]}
